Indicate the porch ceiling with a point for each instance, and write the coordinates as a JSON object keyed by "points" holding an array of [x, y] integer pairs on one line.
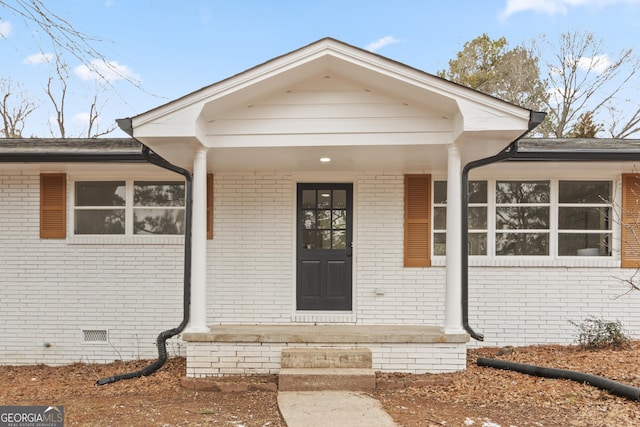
{"points": [[406, 158], [350, 158]]}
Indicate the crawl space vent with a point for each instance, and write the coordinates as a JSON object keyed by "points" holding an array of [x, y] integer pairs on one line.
{"points": [[94, 336]]}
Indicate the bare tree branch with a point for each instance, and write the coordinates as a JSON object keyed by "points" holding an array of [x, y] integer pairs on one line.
{"points": [[65, 38], [58, 101], [582, 78], [14, 110]]}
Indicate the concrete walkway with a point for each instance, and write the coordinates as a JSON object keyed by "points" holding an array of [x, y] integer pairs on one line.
{"points": [[332, 408]]}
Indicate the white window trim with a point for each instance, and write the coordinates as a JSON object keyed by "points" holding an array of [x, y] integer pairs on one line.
{"points": [[120, 239], [551, 260]]}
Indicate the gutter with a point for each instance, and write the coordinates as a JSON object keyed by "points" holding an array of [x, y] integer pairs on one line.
{"points": [[44, 157], [153, 158], [535, 118]]}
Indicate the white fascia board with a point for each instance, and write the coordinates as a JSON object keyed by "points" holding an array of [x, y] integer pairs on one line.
{"points": [[482, 117], [196, 100], [431, 84], [476, 108]]}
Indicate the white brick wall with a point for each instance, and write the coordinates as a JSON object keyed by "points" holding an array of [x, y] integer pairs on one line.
{"points": [[250, 258], [218, 359], [535, 305], [410, 294], [52, 289]]}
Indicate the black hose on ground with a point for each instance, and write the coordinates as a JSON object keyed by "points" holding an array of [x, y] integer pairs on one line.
{"points": [[613, 387]]}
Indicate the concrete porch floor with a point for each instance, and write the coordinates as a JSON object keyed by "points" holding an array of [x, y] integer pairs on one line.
{"points": [[337, 334]]}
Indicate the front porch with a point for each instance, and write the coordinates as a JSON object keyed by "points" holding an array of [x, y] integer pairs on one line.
{"points": [[256, 349]]}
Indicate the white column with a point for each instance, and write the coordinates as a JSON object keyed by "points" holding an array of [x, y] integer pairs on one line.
{"points": [[198, 313], [453, 304]]}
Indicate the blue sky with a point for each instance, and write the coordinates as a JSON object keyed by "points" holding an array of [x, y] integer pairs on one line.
{"points": [[174, 48]]}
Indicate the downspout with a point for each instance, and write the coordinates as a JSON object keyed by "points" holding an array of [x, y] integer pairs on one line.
{"points": [[161, 341], [535, 118]]}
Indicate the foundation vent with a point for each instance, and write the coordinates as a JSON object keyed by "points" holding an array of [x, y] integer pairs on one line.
{"points": [[95, 336]]}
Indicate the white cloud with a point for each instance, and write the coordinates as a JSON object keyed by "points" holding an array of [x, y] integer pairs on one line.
{"points": [[39, 58], [81, 119], [5, 29], [554, 7], [109, 71], [598, 63], [379, 44]]}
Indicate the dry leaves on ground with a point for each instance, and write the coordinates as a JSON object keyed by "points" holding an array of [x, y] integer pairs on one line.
{"points": [[476, 397]]}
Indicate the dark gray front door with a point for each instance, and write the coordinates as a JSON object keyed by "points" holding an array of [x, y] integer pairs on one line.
{"points": [[324, 246]]}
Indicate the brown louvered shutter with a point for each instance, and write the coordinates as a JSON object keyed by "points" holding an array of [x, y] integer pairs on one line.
{"points": [[417, 220], [209, 206], [53, 205], [630, 251]]}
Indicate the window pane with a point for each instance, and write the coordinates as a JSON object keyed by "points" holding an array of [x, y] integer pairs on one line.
{"points": [[324, 219], [309, 239], [324, 239], [339, 199], [477, 191], [340, 219], [478, 218], [99, 221], [439, 218], [339, 239], [158, 221], [522, 218], [522, 244], [440, 192], [324, 199], [100, 193], [308, 199], [477, 243], [309, 220], [522, 192], [158, 193], [584, 191], [577, 218], [439, 243], [584, 244]]}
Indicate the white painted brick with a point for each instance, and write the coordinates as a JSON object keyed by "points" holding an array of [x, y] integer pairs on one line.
{"points": [[53, 288]]}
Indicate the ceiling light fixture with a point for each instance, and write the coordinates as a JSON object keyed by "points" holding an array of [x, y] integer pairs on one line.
{"points": [[325, 159]]}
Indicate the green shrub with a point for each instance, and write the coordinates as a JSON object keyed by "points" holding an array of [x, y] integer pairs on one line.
{"points": [[599, 333]]}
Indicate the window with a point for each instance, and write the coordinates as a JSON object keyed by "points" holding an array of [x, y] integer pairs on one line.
{"points": [[158, 207], [324, 214], [522, 217], [551, 218], [584, 223], [129, 207], [477, 217], [100, 207]]}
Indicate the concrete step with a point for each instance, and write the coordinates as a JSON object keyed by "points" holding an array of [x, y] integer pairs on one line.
{"points": [[323, 379], [326, 358]]}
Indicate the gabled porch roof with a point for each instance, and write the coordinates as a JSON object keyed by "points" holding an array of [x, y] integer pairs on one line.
{"points": [[329, 99]]}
